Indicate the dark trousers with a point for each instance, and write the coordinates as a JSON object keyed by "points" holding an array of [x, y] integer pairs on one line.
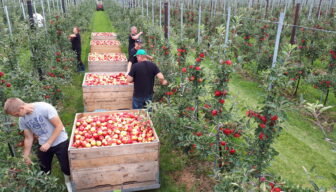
{"points": [[61, 151], [80, 65], [141, 102]]}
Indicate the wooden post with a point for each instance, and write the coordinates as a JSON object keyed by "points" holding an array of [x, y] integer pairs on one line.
{"points": [[332, 12], [319, 10], [296, 21], [166, 20], [267, 2], [30, 13], [63, 6]]}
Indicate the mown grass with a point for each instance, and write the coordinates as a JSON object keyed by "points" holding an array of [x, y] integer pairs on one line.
{"points": [[300, 144]]}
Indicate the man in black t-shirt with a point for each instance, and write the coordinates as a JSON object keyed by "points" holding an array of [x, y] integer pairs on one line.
{"points": [[131, 58], [75, 39], [132, 37], [143, 74]]}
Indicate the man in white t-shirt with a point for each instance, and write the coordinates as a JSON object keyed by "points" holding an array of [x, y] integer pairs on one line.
{"points": [[38, 19], [42, 119]]}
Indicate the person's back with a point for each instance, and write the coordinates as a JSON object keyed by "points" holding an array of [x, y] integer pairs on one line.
{"points": [[144, 75]]}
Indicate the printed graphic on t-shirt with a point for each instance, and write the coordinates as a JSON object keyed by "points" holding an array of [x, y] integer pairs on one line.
{"points": [[37, 125]]}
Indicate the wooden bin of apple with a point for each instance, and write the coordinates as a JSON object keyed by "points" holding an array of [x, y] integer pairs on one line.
{"points": [[103, 36], [107, 91], [114, 150], [105, 46], [107, 62]]}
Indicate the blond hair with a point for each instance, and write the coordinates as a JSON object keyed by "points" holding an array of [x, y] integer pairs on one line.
{"points": [[13, 105]]}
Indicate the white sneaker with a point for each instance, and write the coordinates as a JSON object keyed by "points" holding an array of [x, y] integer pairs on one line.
{"points": [[67, 183]]}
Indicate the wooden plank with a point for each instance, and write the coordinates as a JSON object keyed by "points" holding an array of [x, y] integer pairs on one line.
{"points": [[104, 36], [123, 95], [108, 88], [116, 174], [108, 106], [101, 152], [107, 66], [105, 49], [125, 187], [107, 63], [78, 164], [137, 111]]}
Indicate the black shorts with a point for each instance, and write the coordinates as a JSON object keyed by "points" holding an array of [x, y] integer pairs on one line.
{"points": [[61, 151]]}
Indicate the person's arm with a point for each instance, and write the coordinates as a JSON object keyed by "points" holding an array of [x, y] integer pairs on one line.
{"points": [[129, 65], [163, 81], [130, 79], [135, 37], [150, 57], [57, 123], [28, 142]]}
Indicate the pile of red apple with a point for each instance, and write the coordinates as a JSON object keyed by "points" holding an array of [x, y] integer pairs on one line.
{"points": [[115, 129], [92, 79], [105, 42], [107, 57], [106, 34]]}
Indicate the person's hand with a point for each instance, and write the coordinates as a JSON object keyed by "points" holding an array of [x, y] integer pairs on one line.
{"points": [[164, 82], [141, 33], [45, 147], [28, 161]]}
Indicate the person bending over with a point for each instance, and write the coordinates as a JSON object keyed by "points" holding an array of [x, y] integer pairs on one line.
{"points": [[42, 119]]}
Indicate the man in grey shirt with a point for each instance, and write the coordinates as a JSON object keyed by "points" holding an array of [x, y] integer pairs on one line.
{"points": [[41, 119]]}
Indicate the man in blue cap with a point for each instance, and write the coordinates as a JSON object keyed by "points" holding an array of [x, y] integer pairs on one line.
{"points": [[143, 74]]}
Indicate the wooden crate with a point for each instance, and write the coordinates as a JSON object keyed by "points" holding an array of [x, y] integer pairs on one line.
{"points": [[107, 66], [105, 46], [130, 167], [103, 36], [108, 97], [105, 49]]}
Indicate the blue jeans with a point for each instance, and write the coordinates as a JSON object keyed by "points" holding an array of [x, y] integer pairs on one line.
{"points": [[140, 102]]}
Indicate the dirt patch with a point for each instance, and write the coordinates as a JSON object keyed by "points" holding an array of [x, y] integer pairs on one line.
{"points": [[195, 177]]}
